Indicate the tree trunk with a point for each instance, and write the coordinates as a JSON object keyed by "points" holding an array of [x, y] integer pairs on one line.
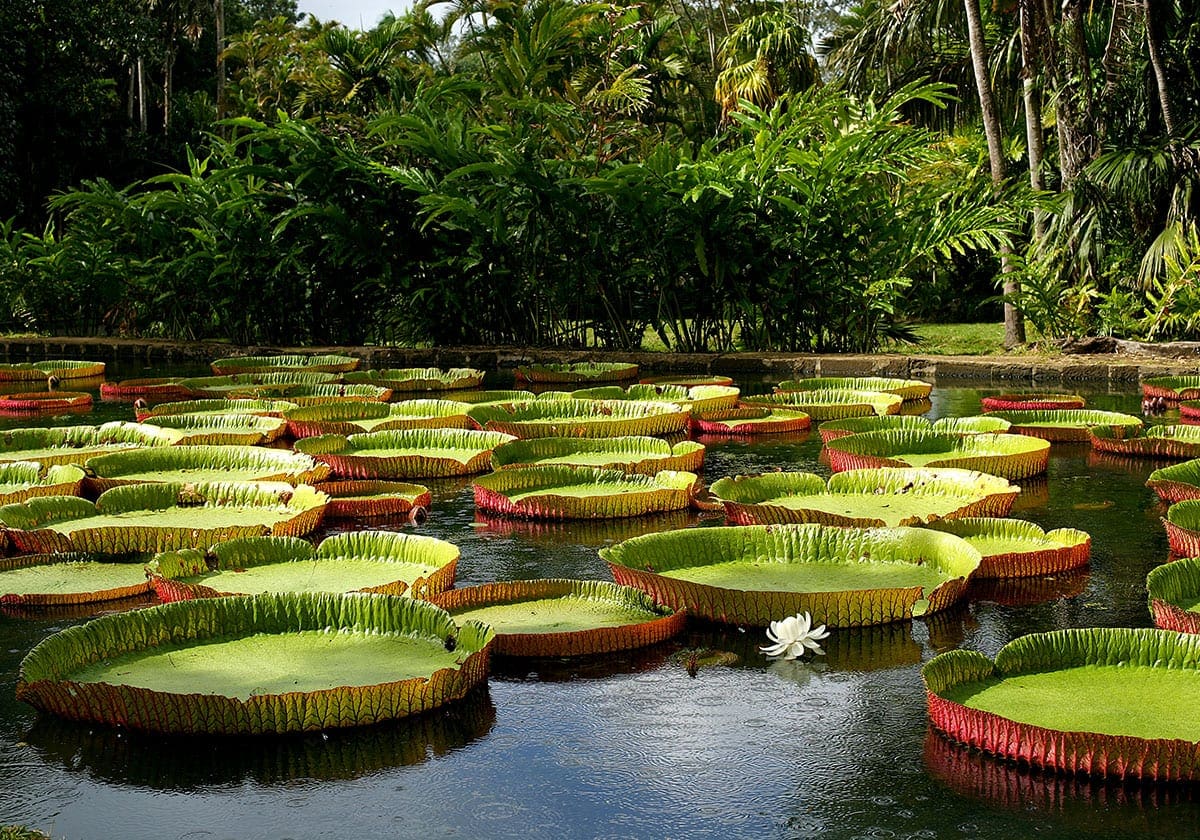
{"points": [[141, 89], [1034, 139], [1076, 135], [1153, 43], [168, 87], [1014, 324]]}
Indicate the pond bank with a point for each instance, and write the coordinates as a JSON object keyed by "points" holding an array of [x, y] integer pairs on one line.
{"points": [[1117, 368]]}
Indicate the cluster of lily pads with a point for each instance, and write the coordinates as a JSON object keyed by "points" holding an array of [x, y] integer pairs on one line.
{"points": [[212, 496]]}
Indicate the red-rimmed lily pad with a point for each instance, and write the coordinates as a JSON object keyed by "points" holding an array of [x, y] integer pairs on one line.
{"points": [[834, 429], [1032, 402], [563, 617], [202, 464], [405, 453], [36, 402], [1183, 528], [1071, 425], [40, 371], [879, 497], [687, 380], [1175, 442], [351, 418], [562, 492], [908, 389], [281, 662], [1016, 548], [153, 388], [1171, 388], [253, 385], [577, 372], [418, 379], [376, 499], [315, 363], [50, 580], [220, 429], [328, 392], [217, 407], [502, 396], [582, 418], [1174, 594], [159, 517], [1009, 456], [362, 561], [1037, 703], [750, 420], [75, 444], [822, 404], [1176, 482], [754, 574], [697, 399], [637, 454]]}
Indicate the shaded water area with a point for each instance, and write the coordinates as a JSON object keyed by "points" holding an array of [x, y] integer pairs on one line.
{"points": [[631, 745]]}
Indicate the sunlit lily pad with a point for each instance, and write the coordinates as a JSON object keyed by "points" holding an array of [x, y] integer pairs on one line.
{"points": [[21, 480], [1071, 425], [361, 561], [878, 497], [577, 372], [638, 454], [1009, 456], [217, 407], [418, 379], [687, 380], [697, 399], [201, 464], [159, 517], [220, 429], [326, 363], [39, 371], [582, 418], [38, 402], [1032, 402], [562, 492], [153, 389], [907, 389], [754, 574], [290, 662], [1016, 548], [1038, 702], [750, 420], [1183, 528], [1174, 442], [328, 392], [405, 453], [376, 499], [1176, 482], [75, 444], [501, 396], [1174, 590], [43, 580], [563, 617], [1172, 388], [253, 385], [351, 418], [834, 429], [822, 404]]}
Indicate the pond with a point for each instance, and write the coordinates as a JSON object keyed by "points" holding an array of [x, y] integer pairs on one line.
{"points": [[632, 745]]}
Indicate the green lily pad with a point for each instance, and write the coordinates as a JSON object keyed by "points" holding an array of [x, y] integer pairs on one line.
{"points": [[43, 580], [834, 429], [1183, 528], [217, 407], [638, 454], [831, 403], [39, 402], [562, 492], [502, 397], [582, 418], [1172, 388], [1176, 482], [202, 464], [418, 379], [1174, 590], [577, 372], [697, 399], [350, 418], [362, 561], [1037, 702], [750, 420], [405, 453], [754, 574], [220, 429], [39, 371], [878, 497], [327, 392], [1175, 442], [563, 617], [21, 480], [253, 385], [687, 381], [154, 388], [76, 444], [159, 517], [290, 662], [1016, 548], [375, 499], [324, 363], [1070, 425], [1009, 456], [907, 389]]}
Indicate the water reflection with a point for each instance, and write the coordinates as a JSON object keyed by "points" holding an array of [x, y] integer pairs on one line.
{"points": [[73, 612], [591, 532], [1024, 592], [857, 649]]}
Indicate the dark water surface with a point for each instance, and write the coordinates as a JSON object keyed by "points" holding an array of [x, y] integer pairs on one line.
{"points": [[632, 746]]}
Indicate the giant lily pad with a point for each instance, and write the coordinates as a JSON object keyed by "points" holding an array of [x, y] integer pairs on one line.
{"points": [[40, 371], [43, 580], [750, 420], [835, 429], [638, 454], [687, 380], [21, 480], [350, 418], [203, 463], [328, 392], [376, 499], [563, 617], [1172, 388], [1070, 425], [562, 492], [39, 402], [754, 574], [1183, 528], [287, 662], [220, 429], [1174, 590], [877, 497], [1175, 442], [326, 363], [1176, 482], [1016, 548], [154, 388], [697, 399], [908, 389], [217, 407], [362, 561], [582, 418], [1008, 456], [405, 453], [1038, 702], [1032, 402], [158, 517], [418, 379], [502, 397], [253, 385], [822, 404], [75, 444], [577, 372]]}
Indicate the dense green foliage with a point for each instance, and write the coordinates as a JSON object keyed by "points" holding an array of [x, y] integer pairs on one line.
{"points": [[556, 172]]}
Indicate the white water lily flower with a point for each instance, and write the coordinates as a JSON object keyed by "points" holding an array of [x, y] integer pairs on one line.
{"points": [[794, 636]]}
